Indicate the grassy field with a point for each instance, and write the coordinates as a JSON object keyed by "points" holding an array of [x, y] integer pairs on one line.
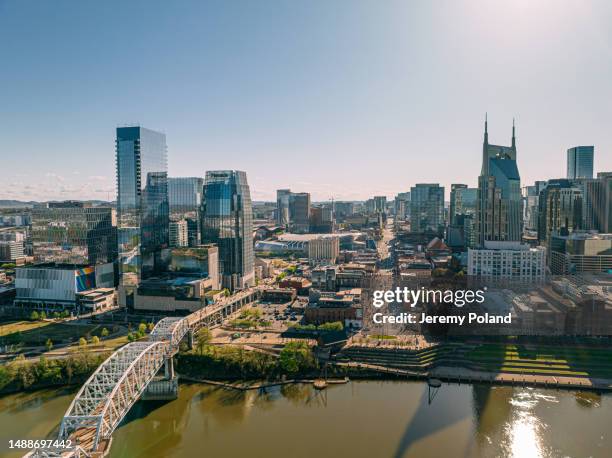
{"points": [[37, 332], [543, 359]]}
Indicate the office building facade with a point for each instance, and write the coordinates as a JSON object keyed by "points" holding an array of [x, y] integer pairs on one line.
{"points": [[73, 233], [499, 200], [227, 222], [142, 203], [427, 207], [580, 162], [299, 212]]}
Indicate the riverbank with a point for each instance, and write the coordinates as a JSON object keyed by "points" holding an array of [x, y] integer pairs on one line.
{"points": [[21, 375]]}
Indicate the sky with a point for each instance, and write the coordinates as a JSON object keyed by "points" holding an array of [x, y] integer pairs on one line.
{"points": [[340, 98]]}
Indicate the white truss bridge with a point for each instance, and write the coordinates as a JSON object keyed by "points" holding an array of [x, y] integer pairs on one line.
{"points": [[111, 391]]}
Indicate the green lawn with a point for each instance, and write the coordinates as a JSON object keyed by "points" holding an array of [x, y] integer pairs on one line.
{"points": [[37, 332], [544, 359]]}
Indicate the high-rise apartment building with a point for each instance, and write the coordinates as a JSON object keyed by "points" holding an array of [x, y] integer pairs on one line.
{"points": [[227, 222], [427, 207], [142, 202], [299, 212], [178, 234], [580, 162], [498, 211]]}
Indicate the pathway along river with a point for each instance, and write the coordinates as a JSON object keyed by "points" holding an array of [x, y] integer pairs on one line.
{"points": [[361, 419]]}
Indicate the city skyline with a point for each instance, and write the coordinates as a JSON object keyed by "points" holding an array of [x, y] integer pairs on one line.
{"points": [[363, 90]]}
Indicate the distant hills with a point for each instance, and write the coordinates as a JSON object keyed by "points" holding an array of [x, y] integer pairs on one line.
{"points": [[31, 203]]}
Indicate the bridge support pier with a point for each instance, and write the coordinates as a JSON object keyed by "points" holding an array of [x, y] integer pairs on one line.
{"points": [[163, 388], [191, 339]]}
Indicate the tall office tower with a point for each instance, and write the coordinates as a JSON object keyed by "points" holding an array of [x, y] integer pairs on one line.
{"points": [[227, 221], [462, 202], [604, 205], [299, 212], [282, 207], [580, 162], [380, 204], [560, 209], [402, 206], [498, 206], [73, 233], [142, 204], [427, 207]]}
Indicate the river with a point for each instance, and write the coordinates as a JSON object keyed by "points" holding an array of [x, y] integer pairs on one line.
{"points": [[369, 419]]}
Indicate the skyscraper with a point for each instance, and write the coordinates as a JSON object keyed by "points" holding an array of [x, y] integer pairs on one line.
{"points": [[580, 162], [498, 207], [299, 212], [427, 207], [560, 209], [282, 207], [227, 222], [142, 202]]}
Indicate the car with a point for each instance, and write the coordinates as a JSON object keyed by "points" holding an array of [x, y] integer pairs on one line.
{"points": [[293, 318]]}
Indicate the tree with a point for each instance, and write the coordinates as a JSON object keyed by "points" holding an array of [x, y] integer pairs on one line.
{"points": [[204, 337], [296, 357], [34, 316], [95, 340], [56, 315], [43, 315], [131, 337], [335, 326], [142, 328], [49, 344], [104, 333], [82, 342], [150, 326]]}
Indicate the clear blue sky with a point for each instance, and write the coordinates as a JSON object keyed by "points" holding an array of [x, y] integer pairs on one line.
{"points": [[340, 98]]}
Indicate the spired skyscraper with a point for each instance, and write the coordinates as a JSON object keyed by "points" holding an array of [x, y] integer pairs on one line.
{"points": [[142, 203], [498, 205], [227, 221]]}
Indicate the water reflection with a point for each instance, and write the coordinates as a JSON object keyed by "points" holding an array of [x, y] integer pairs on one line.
{"points": [[361, 419]]}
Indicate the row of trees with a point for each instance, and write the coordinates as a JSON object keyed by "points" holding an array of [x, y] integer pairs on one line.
{"points": [[21, 374], [42, 315]]}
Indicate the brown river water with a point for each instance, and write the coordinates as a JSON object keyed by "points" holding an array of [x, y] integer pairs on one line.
{"points": [[369, 419]]}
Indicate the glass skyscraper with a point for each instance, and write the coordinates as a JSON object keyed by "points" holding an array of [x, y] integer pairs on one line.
{"points": [[142, 202], [185, 194], [427, 207], [227, 222], [72, 233], [499, 214], [580, 162]]}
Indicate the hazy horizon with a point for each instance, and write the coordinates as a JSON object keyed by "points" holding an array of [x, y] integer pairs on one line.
{"points": [[342, 99]]}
